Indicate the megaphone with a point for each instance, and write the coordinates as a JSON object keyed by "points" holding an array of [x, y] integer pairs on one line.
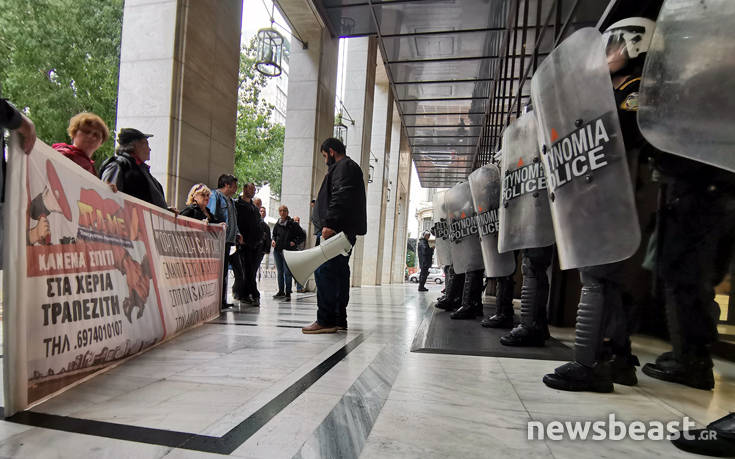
{"points": [[304, 262]]}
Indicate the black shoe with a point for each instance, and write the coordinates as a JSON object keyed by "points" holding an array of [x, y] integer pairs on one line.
{"points": [[423, 289], [525, 336], [255, 302], [695, 372], [623, 369], [574, 376], [447, 305], [227, 307], [467, 312], [498, 321], [717, 441], [287, 297], [279, 295]]}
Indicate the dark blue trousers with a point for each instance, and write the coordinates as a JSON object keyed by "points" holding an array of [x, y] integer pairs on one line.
{"points": [[333, 291]]}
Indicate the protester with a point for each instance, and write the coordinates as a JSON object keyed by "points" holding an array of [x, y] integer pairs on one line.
{"points": [[196, 204], [128, 171], [245, 288], [87, 132], [340, 207], [426, 256], [12, 119], [222, 207], [287, 235]]}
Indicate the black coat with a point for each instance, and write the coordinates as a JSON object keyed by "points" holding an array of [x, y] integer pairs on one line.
{"points": [[341, 203], [265, 244], [193, 211], [133, 178], [248, 219], [425, 253], [283, 235]]}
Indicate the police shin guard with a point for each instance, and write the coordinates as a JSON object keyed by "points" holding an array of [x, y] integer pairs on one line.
{"points": [[590, 371], [503, 317], [453, 296], [533, 329], [471, 297], [689, 363]]}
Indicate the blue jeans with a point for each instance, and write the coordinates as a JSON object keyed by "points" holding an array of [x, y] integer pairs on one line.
{"points": [[333, 291], [284, 275]]}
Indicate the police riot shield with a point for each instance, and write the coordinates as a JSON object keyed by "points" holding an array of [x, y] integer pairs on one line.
{"points": [[590, 191], [440, 230], [485, 187], [687, 95], [524, 213], [463, 238]]}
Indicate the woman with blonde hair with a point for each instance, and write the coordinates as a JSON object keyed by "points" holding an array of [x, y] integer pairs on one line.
{"points": [[87, 132], [196, 204]]}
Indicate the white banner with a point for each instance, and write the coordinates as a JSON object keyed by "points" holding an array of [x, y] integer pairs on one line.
{"points": [[91, 276]]}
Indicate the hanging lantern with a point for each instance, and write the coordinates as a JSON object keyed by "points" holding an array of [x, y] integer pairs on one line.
{"points": [[270, 52], [340, 128]]}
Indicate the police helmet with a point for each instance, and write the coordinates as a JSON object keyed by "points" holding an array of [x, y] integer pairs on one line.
{"points": [[630, 35]]}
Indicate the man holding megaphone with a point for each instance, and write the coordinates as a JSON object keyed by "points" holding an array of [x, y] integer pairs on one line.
{"points": [[340, 214]]}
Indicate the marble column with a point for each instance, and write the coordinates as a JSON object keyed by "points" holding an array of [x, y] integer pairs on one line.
{"points": [[391, 198], [404, 192], [312, 85], [179, 62], [380, 159], [359, 67]]}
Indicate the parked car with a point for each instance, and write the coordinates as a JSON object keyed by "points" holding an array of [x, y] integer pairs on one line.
{"points": [[436, 275]]}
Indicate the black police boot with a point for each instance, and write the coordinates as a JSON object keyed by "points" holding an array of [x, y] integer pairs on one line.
{"points": [[591, 370], [623, 369], [533, 329], [574, 376], [688, 363], [471, 297], [693, 370], [503, 317], [717, 441], [453, 298]]}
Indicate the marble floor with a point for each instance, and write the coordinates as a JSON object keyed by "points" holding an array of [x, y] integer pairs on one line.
{"points": [[251, 385]]}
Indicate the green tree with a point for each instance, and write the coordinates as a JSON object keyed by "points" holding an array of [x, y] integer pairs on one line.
{"points": [[259, 144], [59, 58], [410, 258]]}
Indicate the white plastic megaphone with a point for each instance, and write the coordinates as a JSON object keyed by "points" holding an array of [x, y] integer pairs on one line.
{"points": [[304, 262]]}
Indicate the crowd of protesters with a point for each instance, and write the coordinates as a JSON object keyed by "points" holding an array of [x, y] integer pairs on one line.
{"points": [[247, 235]]}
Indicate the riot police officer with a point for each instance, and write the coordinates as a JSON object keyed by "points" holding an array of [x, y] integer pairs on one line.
{"points": [[602, 345]]}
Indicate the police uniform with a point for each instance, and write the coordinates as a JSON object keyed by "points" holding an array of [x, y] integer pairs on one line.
{"points": [[696, 242], [602, 349]]}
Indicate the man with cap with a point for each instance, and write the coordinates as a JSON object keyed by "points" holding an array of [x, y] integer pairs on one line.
{"points": [[128, 170]]}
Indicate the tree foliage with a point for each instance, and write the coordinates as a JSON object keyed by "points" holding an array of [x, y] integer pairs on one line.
{"points": [[59, 58], [259, 144]]}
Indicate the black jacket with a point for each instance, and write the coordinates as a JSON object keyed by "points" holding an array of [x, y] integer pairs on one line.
{"points": [[248, 219], [265, 244], [133, 179], [285, 234], [193, 211], [341, 203], [425, 253]]}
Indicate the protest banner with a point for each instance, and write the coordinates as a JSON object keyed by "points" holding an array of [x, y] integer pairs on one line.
{"points": [[91, 276]]}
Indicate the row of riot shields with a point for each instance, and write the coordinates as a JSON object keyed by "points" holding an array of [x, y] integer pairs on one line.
{"points": [[564, 176]]}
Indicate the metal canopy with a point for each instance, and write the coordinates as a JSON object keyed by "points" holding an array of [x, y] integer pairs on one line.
{"points": [[460, 70]]}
